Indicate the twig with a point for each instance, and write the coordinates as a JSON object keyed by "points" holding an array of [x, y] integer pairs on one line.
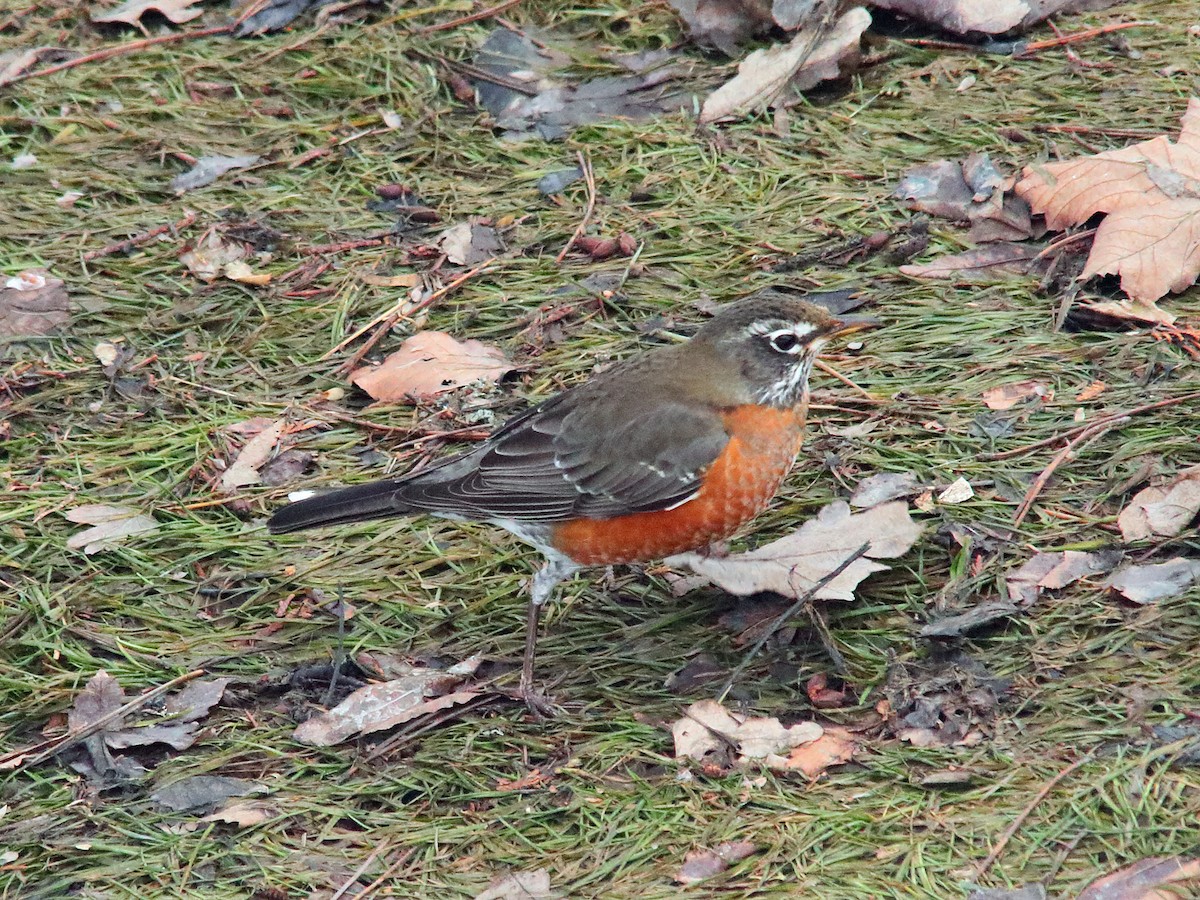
{"points": [[49, 748], [122, 49], [342, 246], [1065, 241], [357, 873], [399, 308], [1087, 34], [1090, 433], [830, 370], [787, 614], [821, 626], [1112, 417], [589, 178], [130, 243], [982, 868], [387, 873], [1131, 133], [473, 17]]}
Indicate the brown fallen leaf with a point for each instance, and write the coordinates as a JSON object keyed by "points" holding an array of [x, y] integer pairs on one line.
{"points": [[1006, 396], [242, 813], [380, 706], [32, 303], [200, 792], [1150, 194], [1162, 510], [16, 63], [986, 260], [1091, 392], [208, 169], [834, 747], [765, 74], [707, 727], [531, 885], [1146, 584], [431, 363], [110, 526], [1140, 880], [210, 256], [699, 865], [469, 243], [973, 191], [131, 12], [245, 469], [876, 489], [793, 564], [1054, 571], [240, 271]]}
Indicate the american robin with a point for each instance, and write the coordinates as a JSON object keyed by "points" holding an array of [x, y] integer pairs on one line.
{"points": [[666, 452]]}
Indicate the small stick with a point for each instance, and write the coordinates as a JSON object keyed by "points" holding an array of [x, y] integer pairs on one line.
{"points": [[1088, 434], [399, 309], [787, 614], [47, 749], [387, 873], [1055, 246], [830, 370], [130, 243], [1112, 417], [342, 246], [357, 873], [122, 49], [1132, 133], [982, 868], [1065, 39], [473, 17], [589, 178]]}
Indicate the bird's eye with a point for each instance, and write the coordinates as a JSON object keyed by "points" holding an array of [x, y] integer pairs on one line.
{"points": [[785, 342]]}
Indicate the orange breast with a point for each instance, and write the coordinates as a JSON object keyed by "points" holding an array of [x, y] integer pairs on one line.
{"points": [[737, 486]]}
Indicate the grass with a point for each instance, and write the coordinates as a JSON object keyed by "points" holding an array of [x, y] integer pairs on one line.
{"points": [[1086, 672]]}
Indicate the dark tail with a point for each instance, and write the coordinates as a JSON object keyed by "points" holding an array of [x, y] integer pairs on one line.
{"points": [[376, 500]]}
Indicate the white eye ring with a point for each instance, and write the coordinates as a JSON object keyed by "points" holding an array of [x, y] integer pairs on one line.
{"points": [[789, 340]]}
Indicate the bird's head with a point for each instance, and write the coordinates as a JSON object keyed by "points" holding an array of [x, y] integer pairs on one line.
{"points": [[774, 341]]}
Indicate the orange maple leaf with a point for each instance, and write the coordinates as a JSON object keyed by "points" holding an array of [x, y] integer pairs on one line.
{"points": [[1150, 193]]}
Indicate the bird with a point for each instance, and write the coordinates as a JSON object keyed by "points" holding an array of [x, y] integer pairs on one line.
{"points": [[668, 451]]}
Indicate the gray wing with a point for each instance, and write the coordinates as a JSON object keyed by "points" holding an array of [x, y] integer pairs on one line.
{"points": [[559, 461]]}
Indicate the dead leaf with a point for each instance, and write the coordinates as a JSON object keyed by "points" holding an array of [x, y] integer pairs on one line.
{"points": [[380, 706], [244, 470], [32, 303], [110, 526], [469, 243], [200, 791], [532, 885], [243, 814], [765, 74], [211, 255], [834, 747], [793, 564], [994, 17], [1163, 510], [1091, 392], [1150, 194], [100, 696], [208, 169], [130, 12], [959, 491], [699, 865], [1145, 584], [999, 257], [707, 726], [960, 624], [285, 468], [404, 279], [431, 363], [1006, 396], [1054, 571], [876, 489], [196, 699], [1140, 880]]}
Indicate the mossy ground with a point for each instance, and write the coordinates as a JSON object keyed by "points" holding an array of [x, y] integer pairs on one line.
{"points": [[1088, 673]]}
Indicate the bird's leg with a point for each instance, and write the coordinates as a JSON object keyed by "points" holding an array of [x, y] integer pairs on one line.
{"points": [[544, 582]]}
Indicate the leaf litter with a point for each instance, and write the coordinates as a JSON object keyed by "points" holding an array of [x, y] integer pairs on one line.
{"points": [[32, 303], [1146, 584], [110, 526], [131, 12], [700, 865], [1162, 510], [430, 363]]}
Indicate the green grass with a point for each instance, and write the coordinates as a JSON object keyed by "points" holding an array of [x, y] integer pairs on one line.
{"points": [[1087, 672]]}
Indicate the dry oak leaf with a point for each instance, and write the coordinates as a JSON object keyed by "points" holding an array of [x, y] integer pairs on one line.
{"points": [[1150, 192], [793, 564], [130, 12], [430, 363], [835, 746], [1163, 510], [1006, 396], [245, 469], [764, 75], [1054, 571]]}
